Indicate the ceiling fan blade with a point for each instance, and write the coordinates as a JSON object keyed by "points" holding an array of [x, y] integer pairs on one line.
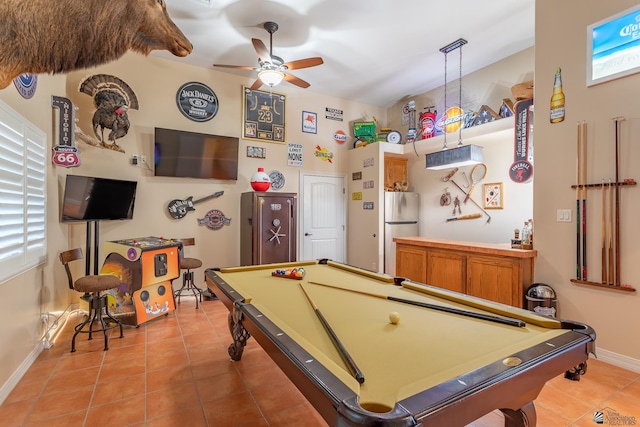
{"points": [[261, 50], [241, 67], [256, 85], [303, 63], [296, 80]]}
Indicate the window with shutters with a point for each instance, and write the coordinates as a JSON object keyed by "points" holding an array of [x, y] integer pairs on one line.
{"points": [[23, 187]]}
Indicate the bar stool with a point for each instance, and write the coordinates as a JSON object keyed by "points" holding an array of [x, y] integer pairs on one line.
{"points": [[187, 265], [92, 286]]}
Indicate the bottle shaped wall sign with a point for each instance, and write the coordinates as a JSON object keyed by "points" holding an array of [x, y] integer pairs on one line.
{"points": [[557, 99]]}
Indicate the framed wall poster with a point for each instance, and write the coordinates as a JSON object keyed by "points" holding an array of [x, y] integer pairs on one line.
{"points": [[612, 47], [309, 122], [493, 195], [263, 116]]}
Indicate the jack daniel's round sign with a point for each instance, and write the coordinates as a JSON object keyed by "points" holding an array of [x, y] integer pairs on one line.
{"points": [[197, 102]]}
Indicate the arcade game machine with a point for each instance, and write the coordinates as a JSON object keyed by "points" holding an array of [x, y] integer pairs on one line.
{"points": [[146, 266]]}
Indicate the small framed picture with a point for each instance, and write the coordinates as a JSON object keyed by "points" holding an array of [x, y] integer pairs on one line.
{"points": [[493, 195], [309, 122]]}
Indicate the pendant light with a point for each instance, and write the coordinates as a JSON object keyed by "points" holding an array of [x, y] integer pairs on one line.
{"points": [[462, 155]]}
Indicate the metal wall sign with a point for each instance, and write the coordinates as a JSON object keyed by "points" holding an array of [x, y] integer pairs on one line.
{"points": [[197, 102]]}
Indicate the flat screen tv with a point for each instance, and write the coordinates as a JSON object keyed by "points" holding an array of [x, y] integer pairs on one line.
{"points": [[195, 155], [89, 198]]}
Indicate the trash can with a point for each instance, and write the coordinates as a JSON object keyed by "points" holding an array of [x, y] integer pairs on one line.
{"points": [[541, 299]]}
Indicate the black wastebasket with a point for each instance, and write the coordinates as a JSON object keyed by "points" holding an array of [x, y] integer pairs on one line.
{"points": [[541, 299]]}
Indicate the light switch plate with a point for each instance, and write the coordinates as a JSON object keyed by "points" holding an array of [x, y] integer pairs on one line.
{"points": [[563, 215]]}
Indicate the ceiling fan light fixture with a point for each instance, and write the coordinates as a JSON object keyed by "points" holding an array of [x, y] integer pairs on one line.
{"points": [[271, 77]]}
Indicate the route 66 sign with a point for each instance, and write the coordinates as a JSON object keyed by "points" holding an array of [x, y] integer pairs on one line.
{"points": [[65, 153]]}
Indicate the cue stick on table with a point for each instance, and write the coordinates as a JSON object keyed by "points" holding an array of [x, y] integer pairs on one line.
{"points": [[498, 319], [355, 371]]}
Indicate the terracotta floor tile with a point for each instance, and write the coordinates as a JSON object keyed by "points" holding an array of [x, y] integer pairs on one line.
{"points": [[58, 404], [192, 416], [220, 386], [168, 377], [41, 368], [27, 389], [114, 371], [172, 399], [12, 414], [175, 371], [125, 388], [119, 413], [71, 380], [74, 361], [74, 419], [125, 353], [232, 411], [269, 402], [300, 415]]}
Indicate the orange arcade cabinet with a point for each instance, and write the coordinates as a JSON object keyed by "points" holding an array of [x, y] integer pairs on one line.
{"points": [[146, 266]]}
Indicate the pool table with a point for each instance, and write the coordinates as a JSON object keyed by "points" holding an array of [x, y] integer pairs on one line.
{"points": [[433, 367]]}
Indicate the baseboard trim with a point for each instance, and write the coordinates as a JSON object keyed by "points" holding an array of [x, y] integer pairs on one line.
{"points": [[15, 378], [618, 360]]}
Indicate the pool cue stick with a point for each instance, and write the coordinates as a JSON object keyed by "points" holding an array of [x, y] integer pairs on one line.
{"points": [[604, 235], [353, 368], [617, 189], [578, 218], [584, 200], [610, 225], [492, 318]]}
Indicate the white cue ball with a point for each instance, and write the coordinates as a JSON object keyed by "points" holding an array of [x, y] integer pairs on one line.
{"points": [[394, 317]]}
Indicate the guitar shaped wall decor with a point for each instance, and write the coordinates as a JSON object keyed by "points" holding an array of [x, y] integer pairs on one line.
{"points": [[179, 208]]}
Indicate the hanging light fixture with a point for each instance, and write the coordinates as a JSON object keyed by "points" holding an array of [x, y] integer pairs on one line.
{"points": [[271, 77], [454, 119]]}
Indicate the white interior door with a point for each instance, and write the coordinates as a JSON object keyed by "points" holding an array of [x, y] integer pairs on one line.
{"points": [[323, 212]]}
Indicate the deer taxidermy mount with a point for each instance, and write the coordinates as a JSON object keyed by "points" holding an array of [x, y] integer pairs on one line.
{"points": [[44, 36]]}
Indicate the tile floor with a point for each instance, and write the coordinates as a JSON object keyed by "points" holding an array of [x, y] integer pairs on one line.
{"points": [[175, 371]]}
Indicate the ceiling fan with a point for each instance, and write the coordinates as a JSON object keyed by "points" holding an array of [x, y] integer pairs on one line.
{"points": [[273, 69]]}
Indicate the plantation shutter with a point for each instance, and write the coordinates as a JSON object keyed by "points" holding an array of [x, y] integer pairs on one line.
{"points": [[22, 194]]}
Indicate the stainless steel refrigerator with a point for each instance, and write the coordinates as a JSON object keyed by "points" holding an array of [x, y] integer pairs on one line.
{"points": [[401, 215]]}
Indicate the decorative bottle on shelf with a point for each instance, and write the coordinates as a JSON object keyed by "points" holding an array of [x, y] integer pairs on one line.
{"points": [[526, 236], [557, 99]]}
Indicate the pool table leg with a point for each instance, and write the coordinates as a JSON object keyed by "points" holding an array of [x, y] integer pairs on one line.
{"points": [[523, 417], [238, 333]]}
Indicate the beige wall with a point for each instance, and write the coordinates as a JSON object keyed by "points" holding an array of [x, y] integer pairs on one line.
{"points": [[561, 42], [155, 82]]}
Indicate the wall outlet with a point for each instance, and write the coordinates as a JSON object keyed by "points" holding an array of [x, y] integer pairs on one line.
{"points": [[563, 215]]}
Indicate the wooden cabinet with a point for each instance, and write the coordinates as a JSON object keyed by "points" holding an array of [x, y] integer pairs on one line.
{"points": [[395, 169], [490, 271]]}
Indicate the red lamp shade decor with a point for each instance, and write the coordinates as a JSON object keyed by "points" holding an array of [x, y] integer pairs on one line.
{"points": [[260, 181]]}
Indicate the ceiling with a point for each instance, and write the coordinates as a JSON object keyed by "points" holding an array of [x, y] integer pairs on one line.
{"points": [[375, 51]]}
